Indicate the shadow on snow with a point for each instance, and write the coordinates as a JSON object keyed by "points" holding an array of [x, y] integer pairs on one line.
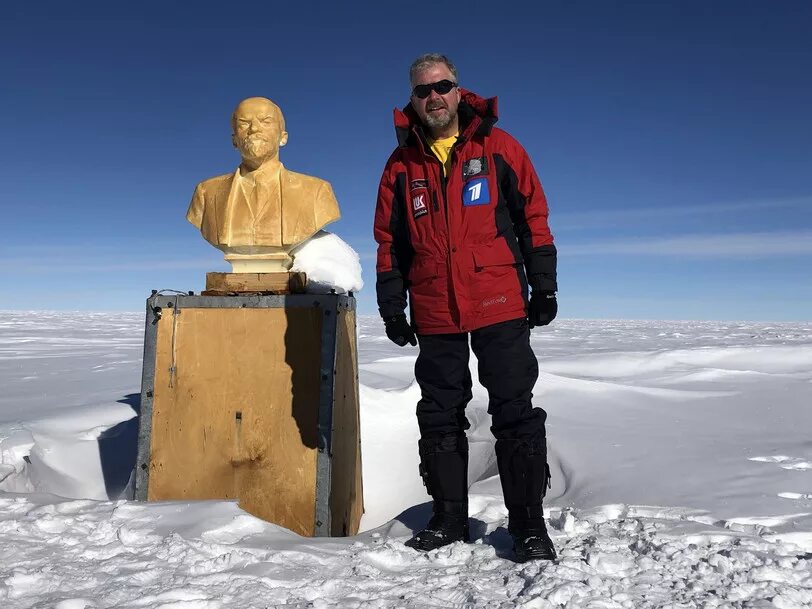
{"points": [[118, 450]]}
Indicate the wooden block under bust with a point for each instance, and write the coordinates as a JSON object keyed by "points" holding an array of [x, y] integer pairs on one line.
{"points": [[223, 284]]}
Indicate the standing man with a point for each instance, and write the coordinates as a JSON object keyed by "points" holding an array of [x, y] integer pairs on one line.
{"points": [[461, 224]]}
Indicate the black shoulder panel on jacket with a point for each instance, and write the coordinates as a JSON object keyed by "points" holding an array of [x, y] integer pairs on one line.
{"points": [[540, 262], [390, 286]]}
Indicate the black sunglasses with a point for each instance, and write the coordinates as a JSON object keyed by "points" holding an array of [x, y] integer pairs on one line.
{"points": [[442, 87]]}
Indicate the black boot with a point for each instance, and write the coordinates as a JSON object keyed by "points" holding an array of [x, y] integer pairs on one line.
{"points": [[530, 538], [533, 544], [444, 469], [448, 525], [524, 475]]}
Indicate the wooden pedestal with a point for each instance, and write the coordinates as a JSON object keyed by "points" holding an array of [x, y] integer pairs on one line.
{"points": [[254, 398], [225, 284]]}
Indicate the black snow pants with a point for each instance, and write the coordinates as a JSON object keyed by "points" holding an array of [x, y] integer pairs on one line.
{"points": [[508, 369]]}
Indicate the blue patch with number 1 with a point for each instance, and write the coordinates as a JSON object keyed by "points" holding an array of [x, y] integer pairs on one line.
{"points": [[476, 192]]}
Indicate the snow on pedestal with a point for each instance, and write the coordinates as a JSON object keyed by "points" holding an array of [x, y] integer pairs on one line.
{"points": [[330, 264]]}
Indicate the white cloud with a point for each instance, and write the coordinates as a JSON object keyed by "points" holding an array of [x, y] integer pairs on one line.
{"points": [[734, 245], [67, 265], [624, 216]]}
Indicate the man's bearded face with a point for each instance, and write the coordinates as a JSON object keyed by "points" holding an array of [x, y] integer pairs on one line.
{"points": [[258, 130], [436, 111]]}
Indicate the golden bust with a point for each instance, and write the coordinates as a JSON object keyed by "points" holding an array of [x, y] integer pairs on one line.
{"points": [[257, 214]]}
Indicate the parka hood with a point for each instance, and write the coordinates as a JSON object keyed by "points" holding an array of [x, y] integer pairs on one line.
{"points": [[477, 116]]}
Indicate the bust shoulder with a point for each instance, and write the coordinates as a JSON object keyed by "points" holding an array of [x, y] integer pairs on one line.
{"points": [[216, 182], [303, 180]]}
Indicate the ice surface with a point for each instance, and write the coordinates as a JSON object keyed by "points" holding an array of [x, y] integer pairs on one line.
{"points": [[680, 455]]}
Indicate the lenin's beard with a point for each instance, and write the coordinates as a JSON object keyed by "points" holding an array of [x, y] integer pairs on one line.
{"points": [[254, 147]]}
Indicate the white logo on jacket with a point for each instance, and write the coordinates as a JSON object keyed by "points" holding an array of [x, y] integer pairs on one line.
{"points": [[493, 301]]}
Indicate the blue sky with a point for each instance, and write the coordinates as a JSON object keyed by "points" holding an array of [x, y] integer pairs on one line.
{"points": [[674, 140]]}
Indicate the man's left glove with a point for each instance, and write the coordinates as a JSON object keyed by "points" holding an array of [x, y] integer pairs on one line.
{"points": [[399, 331], [543, 308]]}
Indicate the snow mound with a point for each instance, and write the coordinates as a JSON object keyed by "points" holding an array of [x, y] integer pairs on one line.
{"points": [[330, 264]]}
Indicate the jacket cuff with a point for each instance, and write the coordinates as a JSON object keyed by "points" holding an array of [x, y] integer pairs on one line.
{"points": [[542, 282], [388, 310]]}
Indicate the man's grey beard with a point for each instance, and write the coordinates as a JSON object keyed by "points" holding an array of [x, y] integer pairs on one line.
{"points": [[441, 121]]}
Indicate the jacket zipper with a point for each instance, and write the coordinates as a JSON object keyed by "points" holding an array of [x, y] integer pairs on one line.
{"points": [[444, 187], [444, 178]]}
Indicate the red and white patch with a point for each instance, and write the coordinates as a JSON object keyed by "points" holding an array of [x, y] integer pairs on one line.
{"points": [[419, 205]]}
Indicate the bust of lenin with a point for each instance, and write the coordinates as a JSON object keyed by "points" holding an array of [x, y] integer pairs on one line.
{"points": [[262, 210]]}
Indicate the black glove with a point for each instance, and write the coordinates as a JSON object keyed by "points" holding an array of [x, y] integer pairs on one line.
{"points": [[543, 308], [399, 331]]}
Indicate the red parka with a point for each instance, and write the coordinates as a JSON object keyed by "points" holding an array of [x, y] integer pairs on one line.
{"points": [[465, 245]]}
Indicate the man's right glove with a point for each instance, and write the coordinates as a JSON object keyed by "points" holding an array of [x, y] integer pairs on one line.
{"points": [[399, 331], [543, 308]]}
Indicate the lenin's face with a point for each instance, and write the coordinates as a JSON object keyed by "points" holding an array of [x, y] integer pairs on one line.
{"points": [[259, 130]]}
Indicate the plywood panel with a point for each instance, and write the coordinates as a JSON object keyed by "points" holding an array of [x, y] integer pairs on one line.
{"points": [[346, 498], [237, 418]]}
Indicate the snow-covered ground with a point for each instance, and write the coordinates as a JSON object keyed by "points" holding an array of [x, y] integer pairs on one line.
{"points": [[682, 477]]}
